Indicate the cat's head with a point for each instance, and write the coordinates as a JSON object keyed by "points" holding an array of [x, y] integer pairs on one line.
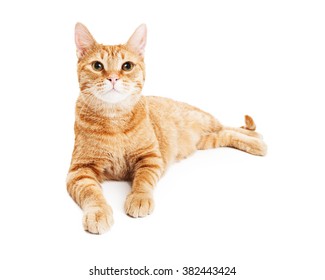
{"points": [[111, 74]]}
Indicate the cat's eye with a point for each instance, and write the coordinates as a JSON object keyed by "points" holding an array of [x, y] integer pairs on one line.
{"points": [[97, 66], [127, 66]]}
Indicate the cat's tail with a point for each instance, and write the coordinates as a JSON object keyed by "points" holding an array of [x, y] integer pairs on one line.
{"points": [[247, 129], [249, 123]]}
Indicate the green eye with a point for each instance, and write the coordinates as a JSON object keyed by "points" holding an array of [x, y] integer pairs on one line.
{"points": [[97, 66], [127, 66]]}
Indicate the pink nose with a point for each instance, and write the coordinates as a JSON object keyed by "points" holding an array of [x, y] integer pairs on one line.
{"points": [[113, 79]]}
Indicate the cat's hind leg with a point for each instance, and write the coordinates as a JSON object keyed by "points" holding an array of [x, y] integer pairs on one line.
{"points": [[244, 139], [250, 144]]}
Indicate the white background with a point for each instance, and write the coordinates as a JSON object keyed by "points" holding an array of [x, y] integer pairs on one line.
{"points": [[264, 215]]}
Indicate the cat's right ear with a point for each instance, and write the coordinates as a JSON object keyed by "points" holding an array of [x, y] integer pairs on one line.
{"points": [[84, 40]]}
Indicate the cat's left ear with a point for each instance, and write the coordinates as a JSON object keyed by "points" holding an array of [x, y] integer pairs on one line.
{"points": [[84, 40], [138, 40]]}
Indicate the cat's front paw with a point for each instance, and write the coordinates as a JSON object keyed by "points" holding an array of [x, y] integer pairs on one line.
{"points": [[97, 219], [139, 204]]}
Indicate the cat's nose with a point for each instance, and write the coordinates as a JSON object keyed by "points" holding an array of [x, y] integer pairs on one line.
{"points": [[113, 78]]}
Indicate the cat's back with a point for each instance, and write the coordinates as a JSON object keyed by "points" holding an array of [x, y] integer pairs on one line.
{"points": [[166, 110], [175, 110]]}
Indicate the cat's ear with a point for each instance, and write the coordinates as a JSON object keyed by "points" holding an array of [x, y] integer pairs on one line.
{"points": [[138, 40], [84, 40]]}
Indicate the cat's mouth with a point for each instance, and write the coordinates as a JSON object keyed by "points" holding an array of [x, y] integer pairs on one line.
{"points": [[113, 90]]}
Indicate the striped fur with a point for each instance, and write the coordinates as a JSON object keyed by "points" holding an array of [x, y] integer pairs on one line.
{"points": [[135, 139]]}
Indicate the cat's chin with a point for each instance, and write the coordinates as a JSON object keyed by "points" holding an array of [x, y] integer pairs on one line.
{"points": [[114, 97]]}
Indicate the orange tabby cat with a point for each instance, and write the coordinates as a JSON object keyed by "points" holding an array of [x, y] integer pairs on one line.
{"points": [[122, 135]]}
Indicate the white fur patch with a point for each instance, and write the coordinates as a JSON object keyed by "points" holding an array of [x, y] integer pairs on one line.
{"points": [[111, 94], [114, 96]]}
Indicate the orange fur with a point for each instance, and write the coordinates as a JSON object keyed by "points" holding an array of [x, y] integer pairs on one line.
{"points": [[136, 138]]}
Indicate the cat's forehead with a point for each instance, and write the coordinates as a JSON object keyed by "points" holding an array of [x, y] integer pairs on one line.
{"points": [[117, 52]]}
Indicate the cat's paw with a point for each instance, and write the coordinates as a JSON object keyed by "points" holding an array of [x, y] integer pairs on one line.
{"points": [[97, 219], [139, 204]]}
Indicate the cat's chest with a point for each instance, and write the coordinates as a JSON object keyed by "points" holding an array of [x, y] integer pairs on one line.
{"points": [[117, 164]]}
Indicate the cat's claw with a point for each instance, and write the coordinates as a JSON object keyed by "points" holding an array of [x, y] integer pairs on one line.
{"points": [[98, 220], [139, 204]]}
